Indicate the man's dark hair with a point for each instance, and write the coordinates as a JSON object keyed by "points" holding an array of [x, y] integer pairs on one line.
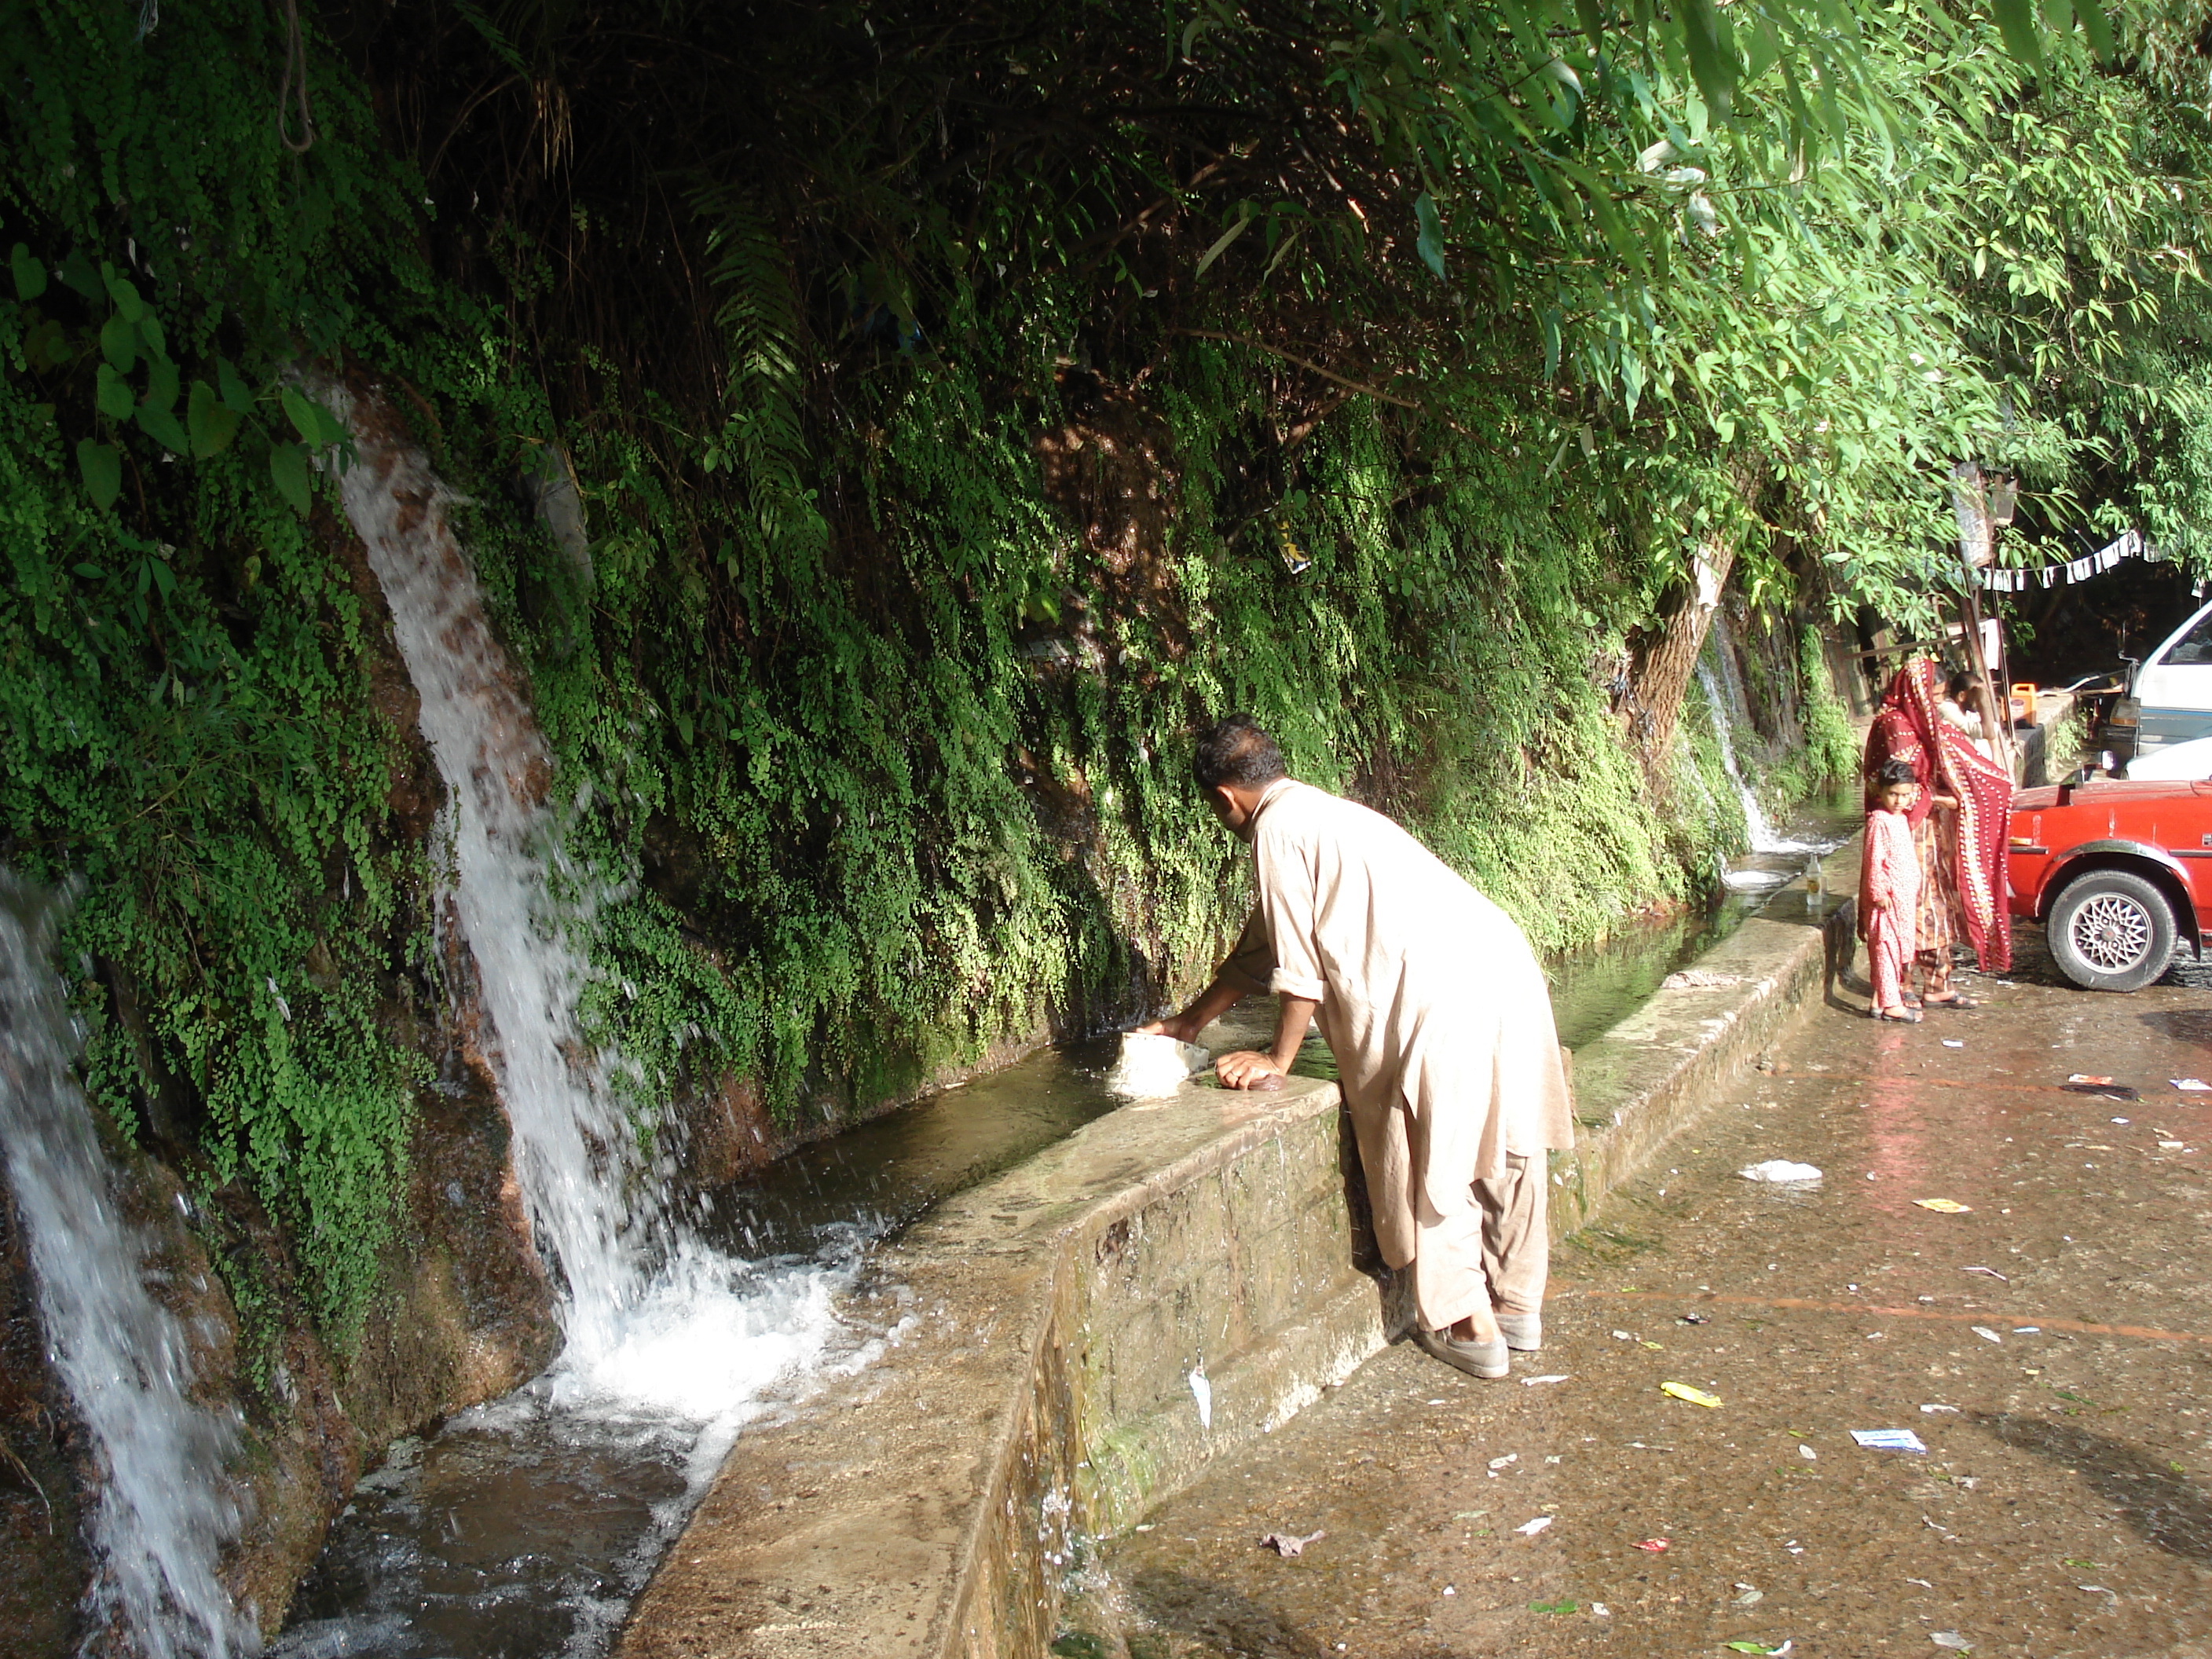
{"points": [[1896, 769], [1234, 749]]}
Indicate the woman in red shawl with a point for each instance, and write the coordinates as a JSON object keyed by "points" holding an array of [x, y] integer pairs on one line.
{"points": [[1960, 819]]}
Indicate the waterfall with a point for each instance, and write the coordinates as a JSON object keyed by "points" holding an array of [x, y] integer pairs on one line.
{"points": [[592, 1212], [1758, 829], [160, 1510], [654, 1317]]}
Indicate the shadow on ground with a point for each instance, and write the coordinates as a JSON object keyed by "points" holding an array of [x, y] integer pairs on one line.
{"points": [[2168, 1510]]}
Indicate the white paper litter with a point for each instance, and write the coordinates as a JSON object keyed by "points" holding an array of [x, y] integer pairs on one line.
{"points": [[2193, 1086], [1152, 1066], [1932, 1410], [1987, 1335], [1902, 1440], [1781, 1172], [1530, 1529], [1534, 1382], [1202, 1391]]}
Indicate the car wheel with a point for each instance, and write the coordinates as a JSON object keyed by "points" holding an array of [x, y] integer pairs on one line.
{"points": [[2111, 930]]}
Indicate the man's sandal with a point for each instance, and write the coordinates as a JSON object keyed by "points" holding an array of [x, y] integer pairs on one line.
{"points": [[1902, 1017], [1484, 1360]]}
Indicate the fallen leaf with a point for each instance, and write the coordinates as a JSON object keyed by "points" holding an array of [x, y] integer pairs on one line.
{"points": [[1695, 1396]]}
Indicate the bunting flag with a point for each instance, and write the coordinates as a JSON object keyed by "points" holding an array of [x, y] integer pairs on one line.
{"points": [[2130, 546]]}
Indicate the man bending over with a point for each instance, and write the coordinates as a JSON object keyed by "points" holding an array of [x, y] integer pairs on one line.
{"points": [[1437, 1014]]}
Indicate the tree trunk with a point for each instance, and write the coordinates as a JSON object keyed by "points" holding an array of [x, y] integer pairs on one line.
{"points": [[1659, 678], [1660, 674]]}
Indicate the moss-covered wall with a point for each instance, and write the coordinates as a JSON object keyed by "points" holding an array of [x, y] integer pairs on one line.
{"points": [[871, 712]]}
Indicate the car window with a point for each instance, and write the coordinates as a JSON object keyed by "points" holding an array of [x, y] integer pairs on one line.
{"points": [[2194, 648]]}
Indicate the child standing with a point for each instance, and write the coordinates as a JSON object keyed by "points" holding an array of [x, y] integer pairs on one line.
{"points": [[1889, 890]]}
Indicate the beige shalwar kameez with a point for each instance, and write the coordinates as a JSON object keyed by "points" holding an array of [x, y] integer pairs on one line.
{"points": [[1437, 1014]]}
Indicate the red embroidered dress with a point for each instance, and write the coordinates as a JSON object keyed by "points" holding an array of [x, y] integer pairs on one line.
{"points": [[1962, 852]]}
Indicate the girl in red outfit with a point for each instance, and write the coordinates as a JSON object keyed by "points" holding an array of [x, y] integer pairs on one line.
{"points": [[1889, 890]]}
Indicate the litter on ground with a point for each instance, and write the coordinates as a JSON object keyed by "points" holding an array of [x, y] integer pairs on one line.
{"points": [[1809, 1454], [1991, 1271], [1781, 1172], [2192, 1086], [1656, 1546], [1534, 1382], [1287, 1544], [1695, 1396], [1953, 1042], [1950, 1638], [1530, 1529], [1987, 1335], [1932, 1409], [1902, 1440], [1944, 1206]]}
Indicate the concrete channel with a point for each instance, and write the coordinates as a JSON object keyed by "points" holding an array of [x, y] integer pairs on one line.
{"points": [[1074, 1340]]}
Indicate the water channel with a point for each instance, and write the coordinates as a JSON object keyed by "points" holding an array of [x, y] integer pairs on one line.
{"points": [[524, 1528]]}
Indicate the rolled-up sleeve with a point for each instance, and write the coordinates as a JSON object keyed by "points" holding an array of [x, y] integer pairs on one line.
{"points": [[1287, 901], [1251, 966]]}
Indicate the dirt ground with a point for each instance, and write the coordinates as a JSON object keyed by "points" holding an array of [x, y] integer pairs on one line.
{"points": [[2061, 1323]]}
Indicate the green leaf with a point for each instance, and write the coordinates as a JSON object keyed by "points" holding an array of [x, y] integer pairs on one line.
{"points": [[1713, 60], [1221, 244], [91, 573], [302, 413], [235, 397], [2098, 29], [1430, 243], [163, 427], [30, 274], [161, 384], [126, 296], [110, 393], [118, 343], [2016, 23], [212, 425], [77, 271], [288, 467], [102, 467]]}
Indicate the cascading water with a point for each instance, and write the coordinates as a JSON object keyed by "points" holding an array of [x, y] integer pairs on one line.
{"points": [[161, 1510], [670, 1344], [1758, 829]]}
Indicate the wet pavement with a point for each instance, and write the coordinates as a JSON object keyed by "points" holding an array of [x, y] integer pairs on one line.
{"points": [[2061, 1323]]}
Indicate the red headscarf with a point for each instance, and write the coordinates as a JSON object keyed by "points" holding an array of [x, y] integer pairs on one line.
{"points": [[1944, 761]]}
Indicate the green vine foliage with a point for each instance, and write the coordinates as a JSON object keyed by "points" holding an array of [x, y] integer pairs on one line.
{"points": [[871, 709]]}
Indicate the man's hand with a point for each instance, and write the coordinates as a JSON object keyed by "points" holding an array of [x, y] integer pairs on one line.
{"points": [[1247, 1069]]}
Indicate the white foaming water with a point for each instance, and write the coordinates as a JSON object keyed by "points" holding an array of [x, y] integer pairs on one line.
{"points": [[160, 1510], [1757, 828]]}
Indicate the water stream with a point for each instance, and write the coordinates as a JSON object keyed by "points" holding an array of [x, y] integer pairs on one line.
{"points": [[1775, 857], [523, 1529], [160, 1509]]}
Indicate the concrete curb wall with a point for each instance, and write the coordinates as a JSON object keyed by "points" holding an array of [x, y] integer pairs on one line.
{"points": [[1036, 1380]]}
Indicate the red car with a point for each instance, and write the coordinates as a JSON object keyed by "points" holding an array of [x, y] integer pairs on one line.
{"points": [[2118, 873]]}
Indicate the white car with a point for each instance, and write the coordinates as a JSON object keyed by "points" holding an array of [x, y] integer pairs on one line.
{"points": [[2169, 700], [2177, 763]]}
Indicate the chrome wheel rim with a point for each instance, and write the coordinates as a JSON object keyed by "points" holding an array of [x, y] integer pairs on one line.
{"points": [[2111, 932]]}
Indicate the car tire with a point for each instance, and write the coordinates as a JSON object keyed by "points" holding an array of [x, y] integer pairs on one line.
{"points": [[2111, 930]]}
